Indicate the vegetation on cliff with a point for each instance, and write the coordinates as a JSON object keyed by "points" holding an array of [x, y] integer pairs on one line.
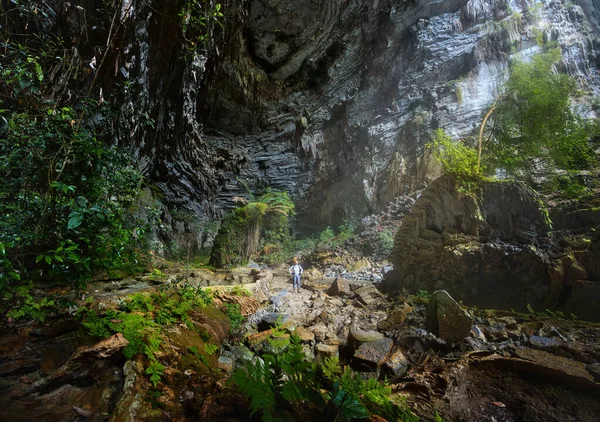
{"points": [[533, 127]]}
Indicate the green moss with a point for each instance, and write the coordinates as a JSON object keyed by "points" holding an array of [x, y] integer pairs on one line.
{"points": [[459, 95]]}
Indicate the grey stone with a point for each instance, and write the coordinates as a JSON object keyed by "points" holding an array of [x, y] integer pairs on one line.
{"points": [[442, 245], [271, 320], [540, 342], [356, 337], [323, 351], [279, 299], [510, 322], [446, 319], [477, 333], [241, 354], [396, 365], [339, 287], [368, 294], [369, 356], [225, 363]]}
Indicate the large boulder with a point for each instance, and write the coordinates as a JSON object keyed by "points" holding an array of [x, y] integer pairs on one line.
{"points": [[484, 248], [446, 319]]}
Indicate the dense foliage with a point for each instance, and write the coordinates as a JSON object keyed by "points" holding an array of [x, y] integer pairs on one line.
{"points": [[65, 193], [255, 223], [456, 158], [142, 319], [279, 383], [534, 122], [533, 127]]}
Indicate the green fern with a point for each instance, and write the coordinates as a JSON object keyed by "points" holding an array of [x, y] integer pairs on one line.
{"points": [[210, 348], [156, 371], [331, 368], [346, 406], [257, 382]]}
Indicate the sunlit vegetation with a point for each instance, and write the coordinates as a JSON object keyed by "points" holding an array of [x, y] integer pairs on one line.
{"points": [[531, 127]]}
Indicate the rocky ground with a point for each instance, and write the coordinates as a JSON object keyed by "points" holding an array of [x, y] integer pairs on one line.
{"points": [[466, 364], [496, 365]]}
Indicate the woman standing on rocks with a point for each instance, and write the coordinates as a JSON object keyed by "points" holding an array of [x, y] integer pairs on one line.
{"points": [[295, 270]]}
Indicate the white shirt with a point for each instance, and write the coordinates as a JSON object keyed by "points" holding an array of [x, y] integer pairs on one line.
{"points": [[295, 269]]}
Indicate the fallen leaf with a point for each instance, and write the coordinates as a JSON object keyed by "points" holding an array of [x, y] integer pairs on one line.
{"points": [[498, 403]]}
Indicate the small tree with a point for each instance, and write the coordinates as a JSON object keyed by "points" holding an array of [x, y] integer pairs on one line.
{"points": [[533, 120]]}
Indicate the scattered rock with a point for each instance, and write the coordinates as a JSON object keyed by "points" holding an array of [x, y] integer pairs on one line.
{"points": [[356, 337], [395, 318], [339, 287], [369, 356], [540, 342], [396, 365], [241, 354], [225, 363], [312, 275], [323, 351], [279, 299], [359, 265], [272, 319], [334, 301], [446, 319], [510, 322], [305, 335], [368, 294], [261, 275]]}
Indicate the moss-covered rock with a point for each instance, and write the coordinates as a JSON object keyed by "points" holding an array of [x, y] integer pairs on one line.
{"points": [[445, 243]]}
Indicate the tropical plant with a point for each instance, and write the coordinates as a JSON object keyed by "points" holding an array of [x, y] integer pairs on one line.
{"points": [[533, 120], [64, 193], [242, 230], [274, 383], [197, 19], [456, 158], [142, 319]]}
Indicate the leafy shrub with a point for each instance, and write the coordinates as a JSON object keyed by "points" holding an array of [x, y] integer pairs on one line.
{"points": [[233, 312], [64, 193], [197, 19], [534, 120], [456, 158], [326, 236], [386, 242], [142, 320], [26, 307], [273, 383]]}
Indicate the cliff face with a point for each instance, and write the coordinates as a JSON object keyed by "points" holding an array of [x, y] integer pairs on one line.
{"points": [[335, 100], [332, 101]]}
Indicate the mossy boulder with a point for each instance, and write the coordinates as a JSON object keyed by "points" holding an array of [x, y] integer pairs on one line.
{"points": [[481, 247]]}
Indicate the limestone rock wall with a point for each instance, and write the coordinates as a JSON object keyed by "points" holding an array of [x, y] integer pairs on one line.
{"points": [[330, 100], [335, 100]]}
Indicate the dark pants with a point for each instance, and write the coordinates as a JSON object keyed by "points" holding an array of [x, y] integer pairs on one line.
{"points": [[296, 281]]}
